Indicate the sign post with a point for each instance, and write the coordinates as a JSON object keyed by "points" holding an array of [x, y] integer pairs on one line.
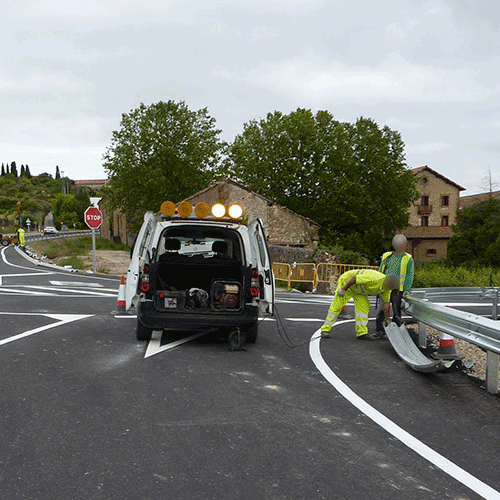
{"points": [[93, 219]]}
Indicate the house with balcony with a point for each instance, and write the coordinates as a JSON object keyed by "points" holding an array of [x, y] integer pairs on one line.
{"points": [[432, 216]]}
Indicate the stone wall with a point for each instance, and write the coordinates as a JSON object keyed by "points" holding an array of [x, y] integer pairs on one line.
{"points": [[282, 226], [435, 188]]}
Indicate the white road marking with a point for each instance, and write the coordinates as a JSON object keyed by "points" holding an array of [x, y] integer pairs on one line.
{"points": [[399, 433], [154, 346], [306, 320], [17, 275], [75, 283], [62, 319], [86, 292]]}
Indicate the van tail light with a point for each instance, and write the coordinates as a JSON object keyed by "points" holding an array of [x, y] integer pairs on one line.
{"points": [[254, 284], [145, 279]]}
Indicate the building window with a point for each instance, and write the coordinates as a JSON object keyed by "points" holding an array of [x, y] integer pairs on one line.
{"points": [[445, 221], [425, 200], [431, 251], [424, 180], [445, 201], [425, 221]]}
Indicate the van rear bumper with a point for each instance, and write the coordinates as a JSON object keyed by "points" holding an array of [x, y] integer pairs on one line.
{"points": [[150, 317]]}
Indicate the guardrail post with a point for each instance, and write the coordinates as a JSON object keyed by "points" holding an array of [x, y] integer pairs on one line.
{"points": [[492, 363], [494, 313], [422, 334]]}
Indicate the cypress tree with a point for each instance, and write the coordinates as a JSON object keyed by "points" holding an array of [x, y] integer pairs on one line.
{"points": [[3, 170], [27, 172], [7, 168], [13, 168], [22, 171], [58, 174]]}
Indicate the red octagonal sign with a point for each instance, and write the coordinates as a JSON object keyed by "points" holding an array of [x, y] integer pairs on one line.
{"points": [[93, 217]]}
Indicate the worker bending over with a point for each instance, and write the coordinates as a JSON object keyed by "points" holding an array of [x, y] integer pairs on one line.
{"points": [[358, 284]]}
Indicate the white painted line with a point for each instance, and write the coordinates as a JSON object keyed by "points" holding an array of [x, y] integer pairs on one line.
{"points": [[306, 320], [17, 275], [123, 316], [76, 283], [15, 291], [399, 433], [63, 319], [154, 346], [85, 292]]}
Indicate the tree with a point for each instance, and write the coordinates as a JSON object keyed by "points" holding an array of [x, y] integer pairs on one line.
{"points": [[6, 168], [477, 235], [488, 185], [3, 171], [13, 169], [58, 174], [27, 172], [351, 178], [163, 151], [67, 209], [22, 171]]}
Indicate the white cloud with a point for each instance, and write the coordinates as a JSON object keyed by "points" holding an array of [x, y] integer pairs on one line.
{"points": [[432, 12], [315, 78], [426, 147], [398, 32], [397, 124]]}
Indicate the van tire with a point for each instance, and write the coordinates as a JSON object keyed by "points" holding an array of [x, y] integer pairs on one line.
{"points": [[252, 333], [142, 332]]}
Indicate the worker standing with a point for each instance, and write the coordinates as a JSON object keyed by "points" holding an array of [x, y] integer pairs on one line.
{"points": [[400, 263], [358, 284], [20, 234]]}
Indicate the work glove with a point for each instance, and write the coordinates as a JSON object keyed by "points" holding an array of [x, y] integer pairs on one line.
{"points": [[341, 292]]}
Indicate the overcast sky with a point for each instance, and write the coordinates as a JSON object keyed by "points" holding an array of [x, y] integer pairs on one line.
{"points": [[430, 70]]}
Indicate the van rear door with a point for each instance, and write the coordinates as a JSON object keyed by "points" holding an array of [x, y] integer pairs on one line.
{"points": [[262, 257], [138, 255]]}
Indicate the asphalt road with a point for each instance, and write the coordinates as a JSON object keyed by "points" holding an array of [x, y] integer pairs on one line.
{"points": [[85, 414]]}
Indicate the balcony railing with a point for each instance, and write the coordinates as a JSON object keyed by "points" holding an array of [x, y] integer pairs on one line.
{"points": [[424, 209]]}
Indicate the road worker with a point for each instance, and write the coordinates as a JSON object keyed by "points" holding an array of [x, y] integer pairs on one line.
{"points": [[400, 263], [358, 284], [20, 234]]}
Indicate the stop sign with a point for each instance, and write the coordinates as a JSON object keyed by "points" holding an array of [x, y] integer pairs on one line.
{"points": [[93, 217]]}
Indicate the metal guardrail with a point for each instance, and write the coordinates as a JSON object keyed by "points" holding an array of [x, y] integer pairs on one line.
{"points": [[62, 234], [480, 331]]}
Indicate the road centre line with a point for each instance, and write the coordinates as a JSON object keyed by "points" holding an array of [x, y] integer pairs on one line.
{"points": [[63, 319], [398, 432]]}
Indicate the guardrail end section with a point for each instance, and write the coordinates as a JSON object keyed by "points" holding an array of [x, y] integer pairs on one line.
{"points": [[492, 366]]}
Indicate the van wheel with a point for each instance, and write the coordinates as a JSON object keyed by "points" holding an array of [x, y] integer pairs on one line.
{"points": [[251, 333], [143, 333]]}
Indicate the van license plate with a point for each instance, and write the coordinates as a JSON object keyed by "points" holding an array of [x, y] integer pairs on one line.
{"points": [[170, 303]]}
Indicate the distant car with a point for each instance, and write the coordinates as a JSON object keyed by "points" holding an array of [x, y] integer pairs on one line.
{"points": [[50, 230]]}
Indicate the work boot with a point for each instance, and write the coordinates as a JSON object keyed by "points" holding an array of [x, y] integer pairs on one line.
{"points": [[325, 335], [380, 334], [367, 336]]}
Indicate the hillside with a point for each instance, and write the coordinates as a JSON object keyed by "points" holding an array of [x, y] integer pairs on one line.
{"points": [[35, 195]]}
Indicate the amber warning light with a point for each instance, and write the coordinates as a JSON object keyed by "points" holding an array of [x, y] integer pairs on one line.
{"points": [[201, 210]]}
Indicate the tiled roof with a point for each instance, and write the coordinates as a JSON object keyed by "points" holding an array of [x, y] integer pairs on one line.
{"points": [[437, 174], [428, 232], [472, 199], [92, 181]]}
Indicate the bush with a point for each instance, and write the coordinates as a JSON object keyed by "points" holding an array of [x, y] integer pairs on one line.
{"points": [[440, 274]]}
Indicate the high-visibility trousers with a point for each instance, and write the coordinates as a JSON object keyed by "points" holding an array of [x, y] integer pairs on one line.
{"points": [[362, 310]]}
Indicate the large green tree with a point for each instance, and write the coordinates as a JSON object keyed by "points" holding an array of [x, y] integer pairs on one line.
{"points": [[163, 151], [351, 178], [477, 235]]}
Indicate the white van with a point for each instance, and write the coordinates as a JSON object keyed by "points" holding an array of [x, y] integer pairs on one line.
{"points": [[200, 272]]}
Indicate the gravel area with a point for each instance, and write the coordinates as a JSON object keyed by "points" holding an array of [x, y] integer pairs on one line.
{"points": [[470, 352]]}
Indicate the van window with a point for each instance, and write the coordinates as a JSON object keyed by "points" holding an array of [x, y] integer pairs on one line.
{"points": [[201, 242]]}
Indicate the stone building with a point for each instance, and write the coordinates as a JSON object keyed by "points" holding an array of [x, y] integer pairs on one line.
{"points": [[432, 216], [282, 225]]}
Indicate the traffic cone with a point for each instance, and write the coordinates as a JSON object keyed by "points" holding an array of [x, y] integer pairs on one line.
{"points": [[446, 348], [120, 304]]}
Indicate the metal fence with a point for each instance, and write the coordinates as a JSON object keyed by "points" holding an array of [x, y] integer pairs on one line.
{"points": [[305, 272], [62, 234], [480, 331]]}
